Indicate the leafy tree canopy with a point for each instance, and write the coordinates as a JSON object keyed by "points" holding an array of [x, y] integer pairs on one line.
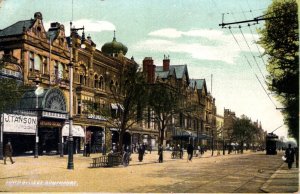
{"points": [[280, 39]]}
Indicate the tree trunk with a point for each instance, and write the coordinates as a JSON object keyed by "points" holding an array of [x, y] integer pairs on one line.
{"points": [[162, 136]]}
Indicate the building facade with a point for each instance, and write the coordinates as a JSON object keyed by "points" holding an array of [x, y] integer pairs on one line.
{"points": [[40, 58], [196, 122]]}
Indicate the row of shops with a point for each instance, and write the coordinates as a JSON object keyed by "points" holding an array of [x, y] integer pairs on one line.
{"points": [[52, 135], [47, 124]]}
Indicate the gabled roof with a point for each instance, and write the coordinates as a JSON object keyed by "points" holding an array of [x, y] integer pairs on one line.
{"points": [[17, 28], [178, 70], [199, 83], [162, 74]]}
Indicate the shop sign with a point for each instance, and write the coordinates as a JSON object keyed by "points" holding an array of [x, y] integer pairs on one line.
{"points": [[54, 115], [51, 123], [19, 123], [96, 117]]}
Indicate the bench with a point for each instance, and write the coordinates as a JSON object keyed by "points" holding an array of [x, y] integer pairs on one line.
{"points": [[106, 161]]}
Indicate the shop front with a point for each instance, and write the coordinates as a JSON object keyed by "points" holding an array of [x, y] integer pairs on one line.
{"points": [[20, 130], [78, 138], [50, 107]]}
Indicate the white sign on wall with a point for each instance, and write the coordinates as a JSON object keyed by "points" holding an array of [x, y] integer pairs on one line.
{"points": [[19, 123]]}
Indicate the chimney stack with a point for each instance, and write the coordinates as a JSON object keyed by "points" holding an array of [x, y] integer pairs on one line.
{"points": [[166, 63], [149, 69]]}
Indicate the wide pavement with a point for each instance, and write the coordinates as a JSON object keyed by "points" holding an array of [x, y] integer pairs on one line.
{"points": [[235, 173]]}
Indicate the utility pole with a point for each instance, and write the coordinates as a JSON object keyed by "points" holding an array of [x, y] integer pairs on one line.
{"points": [[256, 19]]}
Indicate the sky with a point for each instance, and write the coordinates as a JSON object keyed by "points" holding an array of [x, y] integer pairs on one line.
{"points": [[186, 30]]}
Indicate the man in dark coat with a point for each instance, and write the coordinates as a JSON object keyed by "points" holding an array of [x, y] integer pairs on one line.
{"points": [[190, 150], [8, 152], [160, 154], [290, 154], [141, 152]]}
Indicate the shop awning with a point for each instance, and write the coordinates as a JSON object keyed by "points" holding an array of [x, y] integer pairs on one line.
{"points": [[184, 133], [116, 106], [114, 129], [77, 130]]}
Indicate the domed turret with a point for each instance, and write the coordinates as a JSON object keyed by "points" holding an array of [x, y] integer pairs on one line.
{"points": [[114, 48]]}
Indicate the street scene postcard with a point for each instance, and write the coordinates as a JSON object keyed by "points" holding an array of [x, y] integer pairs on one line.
{"points": [[149, 96]]}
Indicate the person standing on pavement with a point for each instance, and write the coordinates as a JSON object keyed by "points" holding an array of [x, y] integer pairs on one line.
{"points": [[190, 150], [290, 154], [8, 152], [160, 154], [141, 152]]}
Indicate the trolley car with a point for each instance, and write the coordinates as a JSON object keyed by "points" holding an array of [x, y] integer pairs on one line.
{"points": [[271, 144]]}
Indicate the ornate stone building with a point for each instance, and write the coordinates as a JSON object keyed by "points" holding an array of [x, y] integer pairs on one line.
{"points": [[38, 57]]}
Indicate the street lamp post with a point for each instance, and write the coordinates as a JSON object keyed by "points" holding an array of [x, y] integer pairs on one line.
{"points": [[70, 138], [39, 90]]}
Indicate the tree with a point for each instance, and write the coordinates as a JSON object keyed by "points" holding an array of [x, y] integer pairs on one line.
{"points": [[129, 97], [164, 101], [280, 39], [244, 131], [9, 94]]}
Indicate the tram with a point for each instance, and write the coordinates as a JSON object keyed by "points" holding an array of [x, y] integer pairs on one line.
{"points": [[271, 144]]}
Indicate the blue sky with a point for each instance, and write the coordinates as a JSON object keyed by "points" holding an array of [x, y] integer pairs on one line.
{"points": [[186, 30]]}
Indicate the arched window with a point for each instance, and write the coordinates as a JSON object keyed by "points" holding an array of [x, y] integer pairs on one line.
{"points": [[39, 31], [82, 77], [101, 83], [96, 82], [60, 72]]}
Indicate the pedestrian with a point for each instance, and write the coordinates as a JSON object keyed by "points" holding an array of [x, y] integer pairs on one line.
{"points": [[88, 149], [160, 154], [141, 153], [190, 150], [290, 154], [150, 149], [8, 152]]}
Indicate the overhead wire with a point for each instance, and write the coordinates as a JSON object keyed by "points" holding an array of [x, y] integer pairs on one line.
{"points": [[252, 68], [252, 55]]}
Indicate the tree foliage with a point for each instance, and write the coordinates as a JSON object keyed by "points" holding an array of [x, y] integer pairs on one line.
{"points": [[280, 39], [10, 92], [164, 101], [130, 96], [244, 131]]}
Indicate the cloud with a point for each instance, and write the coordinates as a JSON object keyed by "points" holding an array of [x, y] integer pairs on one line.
{"points": [[167, 33], [89, 25], [222, 48], [173, 33]]}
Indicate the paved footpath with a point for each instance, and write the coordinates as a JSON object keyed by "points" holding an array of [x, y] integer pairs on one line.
{"points": [[235, 173]]}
